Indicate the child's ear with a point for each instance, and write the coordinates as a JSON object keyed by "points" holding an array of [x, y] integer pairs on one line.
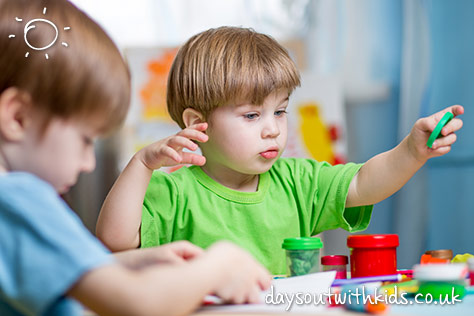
{"points": [[14, 114], [191, 117]]}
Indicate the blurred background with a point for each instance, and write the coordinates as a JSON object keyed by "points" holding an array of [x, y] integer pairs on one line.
{"points": [[370, 69]]}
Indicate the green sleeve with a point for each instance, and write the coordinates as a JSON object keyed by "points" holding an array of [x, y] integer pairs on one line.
{"points": [[158, 212], [329, 210]]}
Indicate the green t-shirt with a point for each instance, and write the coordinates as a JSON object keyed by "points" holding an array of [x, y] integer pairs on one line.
{"points": [[295, 198]]}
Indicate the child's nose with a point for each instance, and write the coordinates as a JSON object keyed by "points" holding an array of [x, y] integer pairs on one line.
{"points": [[89, 161], [271, 129]]}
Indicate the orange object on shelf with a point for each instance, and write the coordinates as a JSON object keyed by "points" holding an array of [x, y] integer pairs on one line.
{"points": [[428, 259]]}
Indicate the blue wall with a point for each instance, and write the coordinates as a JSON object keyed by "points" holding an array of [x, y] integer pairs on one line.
{"points": [[451, 177]]}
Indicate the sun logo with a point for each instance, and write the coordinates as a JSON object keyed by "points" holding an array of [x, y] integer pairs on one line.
{"points": [[31, 25]]}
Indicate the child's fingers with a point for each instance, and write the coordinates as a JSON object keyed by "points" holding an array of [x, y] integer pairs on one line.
{"points": [[453, 126], [193, 159], [186, 250], [440, 151], [428, 124], [455, 109], [239, 297], [199, 126], [177, 252], [444, 141], [253, 296], [178, 141], [171, 153], [265, 279], [194, 134]]}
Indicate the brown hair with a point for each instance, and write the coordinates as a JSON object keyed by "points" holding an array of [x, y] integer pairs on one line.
{"points": [[83, 73], [227, 64]]}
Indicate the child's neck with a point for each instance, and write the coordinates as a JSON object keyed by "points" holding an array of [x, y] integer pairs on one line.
{"points": [[3, 162], [233, 179]]}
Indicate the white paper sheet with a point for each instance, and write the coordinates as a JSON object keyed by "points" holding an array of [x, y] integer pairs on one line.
{"points": [[301, 294]]}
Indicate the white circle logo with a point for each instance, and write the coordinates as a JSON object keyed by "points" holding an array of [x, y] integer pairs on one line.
{"points": [[30, 25]]}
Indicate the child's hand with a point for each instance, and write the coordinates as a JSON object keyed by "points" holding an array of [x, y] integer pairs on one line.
{"points": [[169, 151], [242, 277], [173, 253], [422, 129], [177, 252]]}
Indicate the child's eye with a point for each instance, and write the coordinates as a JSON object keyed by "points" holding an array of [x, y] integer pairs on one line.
{"points": [[88, 141], [280, 113], [251, 116]]}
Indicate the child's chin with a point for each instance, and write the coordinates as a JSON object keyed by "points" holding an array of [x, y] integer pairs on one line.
{"points": [[64, 189], [263, 169]]}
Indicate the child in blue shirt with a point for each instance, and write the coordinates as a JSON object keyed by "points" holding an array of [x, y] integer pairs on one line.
{"points": [[53, 104], [228, 90]]}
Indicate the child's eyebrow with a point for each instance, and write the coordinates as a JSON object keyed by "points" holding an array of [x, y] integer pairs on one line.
{"points": [[285, 99]]}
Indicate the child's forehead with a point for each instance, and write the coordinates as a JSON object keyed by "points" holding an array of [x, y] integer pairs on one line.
{"points": [[96, 122], [244, 104], [88, 125], [276, 97]]}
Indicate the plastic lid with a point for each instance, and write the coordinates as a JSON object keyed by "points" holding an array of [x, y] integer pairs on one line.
{"points": [[334, 260], [437, 131], [370, 241], [440, 271], [440, 253], [302, 243]]}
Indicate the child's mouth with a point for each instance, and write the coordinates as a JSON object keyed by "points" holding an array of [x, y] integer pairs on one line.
{"points": [[269, 154]]}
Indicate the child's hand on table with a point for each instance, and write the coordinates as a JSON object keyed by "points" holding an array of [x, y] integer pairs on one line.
{"points": [[239, 278], [422, 129], [169, 152], [242, 278]]}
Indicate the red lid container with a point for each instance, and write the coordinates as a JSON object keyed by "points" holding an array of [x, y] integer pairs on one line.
{"points": [[337, 263], [335, 260], [373, 254]]}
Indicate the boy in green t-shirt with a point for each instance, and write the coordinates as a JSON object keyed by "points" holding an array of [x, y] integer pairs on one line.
{"points": [[228, 89]]}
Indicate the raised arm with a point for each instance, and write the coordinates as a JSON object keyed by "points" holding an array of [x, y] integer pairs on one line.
{"points": [[118, 225], [386, 173], [224, 270]]}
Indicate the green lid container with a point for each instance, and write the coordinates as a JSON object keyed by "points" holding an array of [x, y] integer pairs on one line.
{"points": [[302, 255], [302, 243]]}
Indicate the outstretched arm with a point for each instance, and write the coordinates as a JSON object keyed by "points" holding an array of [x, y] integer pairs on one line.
{"points": [[118, 226], [386, 173]]}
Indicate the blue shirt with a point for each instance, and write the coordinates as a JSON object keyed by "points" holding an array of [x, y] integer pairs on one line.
{"points": [[44, 249]]}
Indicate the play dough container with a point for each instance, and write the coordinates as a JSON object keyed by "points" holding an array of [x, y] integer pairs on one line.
{"points": [[470, 263], [302, 255], [373, 254], [337, 263], [440, 281]]}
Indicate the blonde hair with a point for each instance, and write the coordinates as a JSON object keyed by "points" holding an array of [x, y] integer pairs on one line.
{"points": [[86, 76], [227, 64]]}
